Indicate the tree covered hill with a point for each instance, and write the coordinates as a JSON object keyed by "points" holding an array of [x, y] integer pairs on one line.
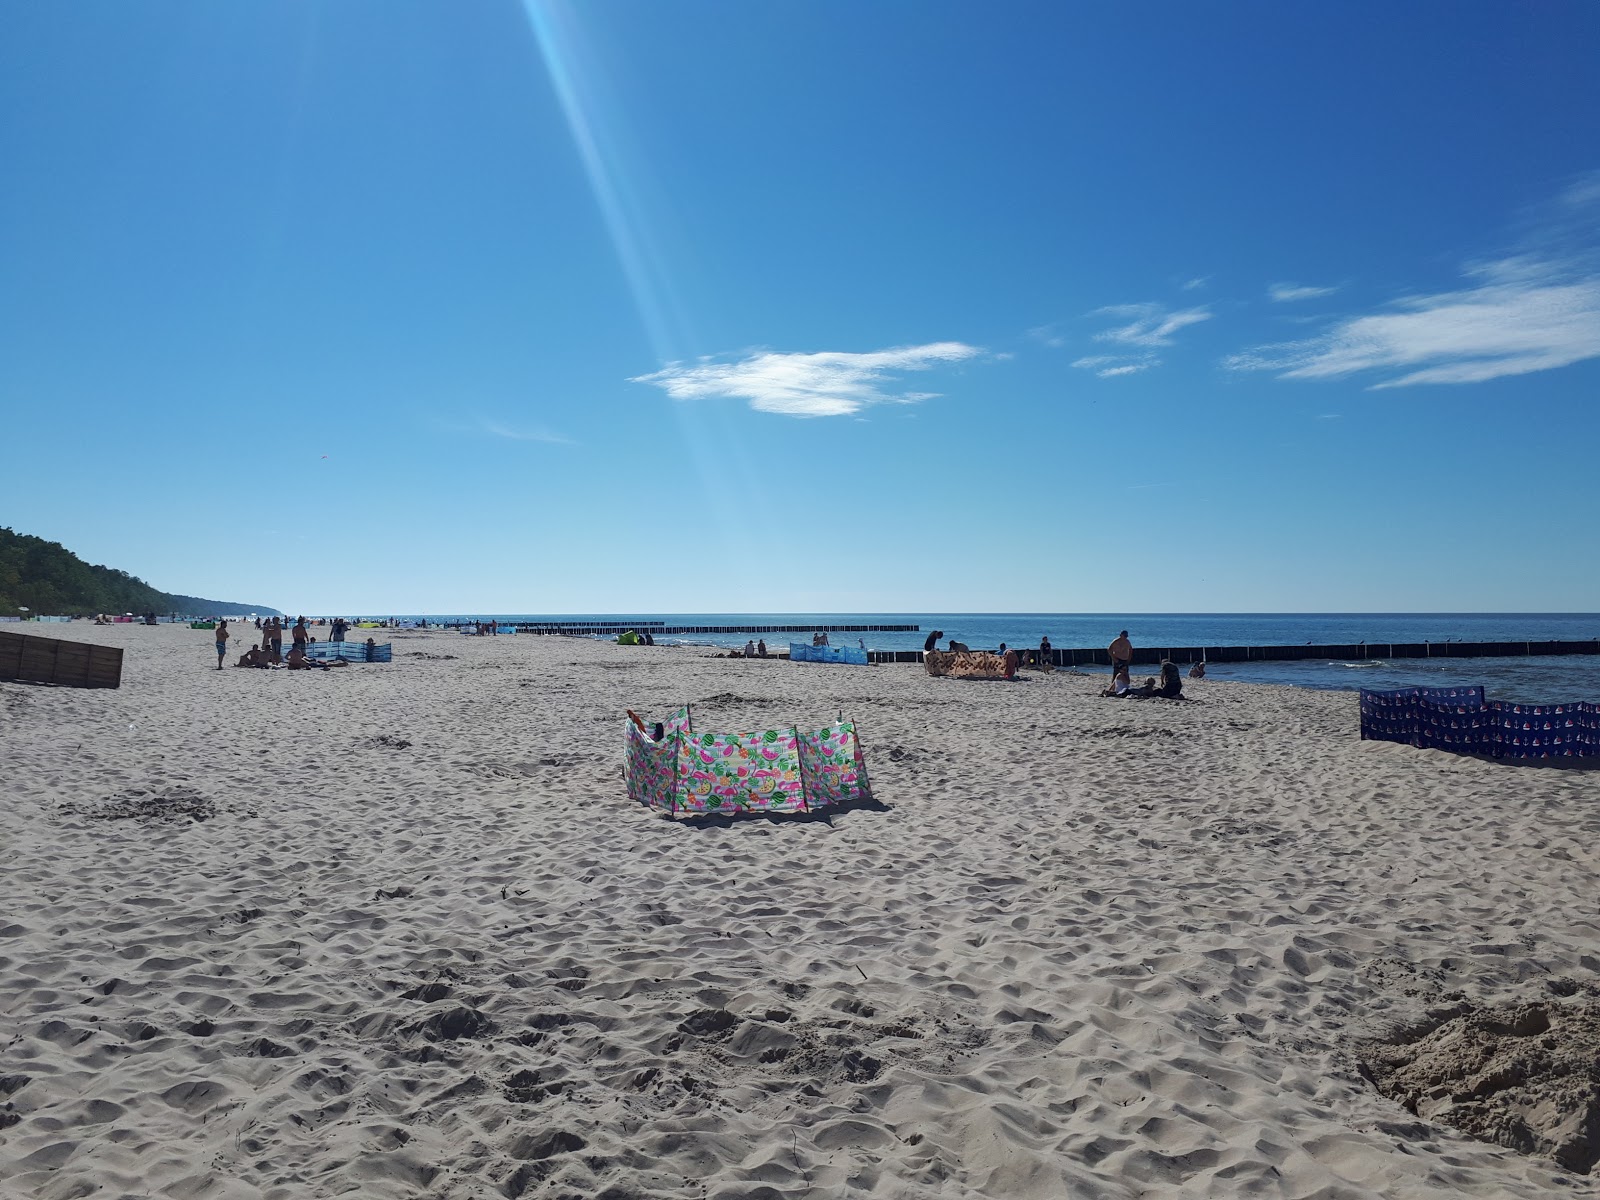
{"points": [[46, 578]]}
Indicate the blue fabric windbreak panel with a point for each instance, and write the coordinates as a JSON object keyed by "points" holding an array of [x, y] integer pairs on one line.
{"points": [[349, 651], [1461, 721], [1544, 730], [800, 652]]}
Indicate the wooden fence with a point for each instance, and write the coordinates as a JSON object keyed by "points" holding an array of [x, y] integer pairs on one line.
{"points": [[33, 659]]}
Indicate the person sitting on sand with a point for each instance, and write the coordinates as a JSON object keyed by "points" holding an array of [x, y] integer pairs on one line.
{"points": [[1171, 685], [1013, 660], [761, 648], [299, 662], [256, 656], [1198, 671], [1119, 682], [750, 648]]}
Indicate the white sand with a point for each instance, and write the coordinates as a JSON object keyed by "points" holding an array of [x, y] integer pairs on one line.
{"points": [[1086, 947]]}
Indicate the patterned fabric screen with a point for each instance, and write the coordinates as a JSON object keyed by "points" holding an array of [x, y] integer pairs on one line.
{"points": [[1460, 720], [778, 770]]}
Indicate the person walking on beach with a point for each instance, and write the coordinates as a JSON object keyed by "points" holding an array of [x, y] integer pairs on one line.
{"points": [[222, 642], [1121, 652]]}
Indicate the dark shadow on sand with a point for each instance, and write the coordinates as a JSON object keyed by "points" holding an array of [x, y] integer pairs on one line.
{"points": [[824, 816], [1559, 764]]}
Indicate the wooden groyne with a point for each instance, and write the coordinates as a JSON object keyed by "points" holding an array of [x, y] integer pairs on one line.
{"points": [[1100, 657]]}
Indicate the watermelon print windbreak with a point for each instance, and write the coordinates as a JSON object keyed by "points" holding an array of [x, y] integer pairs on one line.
{"points": [[778, 770]]}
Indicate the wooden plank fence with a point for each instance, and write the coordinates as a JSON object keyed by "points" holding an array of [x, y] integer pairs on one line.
{"points": [[29, 658]]}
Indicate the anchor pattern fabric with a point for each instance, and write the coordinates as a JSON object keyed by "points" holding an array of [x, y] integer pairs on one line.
{"points": [[1462, 721]]}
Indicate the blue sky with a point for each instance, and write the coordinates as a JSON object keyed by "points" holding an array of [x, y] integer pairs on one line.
{"points": [[381, 306]]}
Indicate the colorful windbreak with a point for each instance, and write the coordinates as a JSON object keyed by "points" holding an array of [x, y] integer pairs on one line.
{"points": [[1460, 720], [684, 771]]}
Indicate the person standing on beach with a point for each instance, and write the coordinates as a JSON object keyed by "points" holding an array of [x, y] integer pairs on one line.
{"points": [[277, 636], [1121, 652], [933, 640], [299, 633], [222, 642]]}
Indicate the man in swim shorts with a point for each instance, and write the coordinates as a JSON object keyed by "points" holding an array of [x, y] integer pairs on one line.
{"points": [[1121, 652], [222, 642]]}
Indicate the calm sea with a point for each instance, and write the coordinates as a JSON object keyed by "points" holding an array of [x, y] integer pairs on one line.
{"points": [[1536, 680]]}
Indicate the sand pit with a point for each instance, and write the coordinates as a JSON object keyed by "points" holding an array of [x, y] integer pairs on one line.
{"points": [[425, 949], [1525, 1076]]}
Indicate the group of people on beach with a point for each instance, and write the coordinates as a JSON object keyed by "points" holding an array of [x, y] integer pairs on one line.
{"points": [[1168, 685], [270, 653]]}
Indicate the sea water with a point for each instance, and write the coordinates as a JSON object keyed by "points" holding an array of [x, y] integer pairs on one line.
{"points": [[1535, 680]]}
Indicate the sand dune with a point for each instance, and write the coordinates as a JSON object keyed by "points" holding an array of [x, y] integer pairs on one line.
{"points": [[421, 945]]}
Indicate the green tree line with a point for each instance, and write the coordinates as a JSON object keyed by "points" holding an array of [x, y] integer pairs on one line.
{"points": [[45, 578]]}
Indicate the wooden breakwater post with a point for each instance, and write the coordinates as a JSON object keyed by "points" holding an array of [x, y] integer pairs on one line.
{"points": [[1095, 656], [29, 658]]}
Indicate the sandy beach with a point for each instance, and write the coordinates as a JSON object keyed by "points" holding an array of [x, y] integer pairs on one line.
{"points": [[421, 945]]}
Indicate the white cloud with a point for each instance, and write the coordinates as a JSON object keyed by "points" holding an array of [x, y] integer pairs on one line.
{"points": [[1149, 324], [1109, 366], [829, 383], [1199, 281], [1521, 316], [1533, 306], [1285, 292], [1146, 327], [500, 430]]}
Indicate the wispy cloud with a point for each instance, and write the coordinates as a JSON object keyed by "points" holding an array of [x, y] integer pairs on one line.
{"points": [[1148, 324], [1109, 366], [823, 384], [1283, 293], [1198, 282], [500, 430], [1533, 307], [1517, 317], [1145, 328]]}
